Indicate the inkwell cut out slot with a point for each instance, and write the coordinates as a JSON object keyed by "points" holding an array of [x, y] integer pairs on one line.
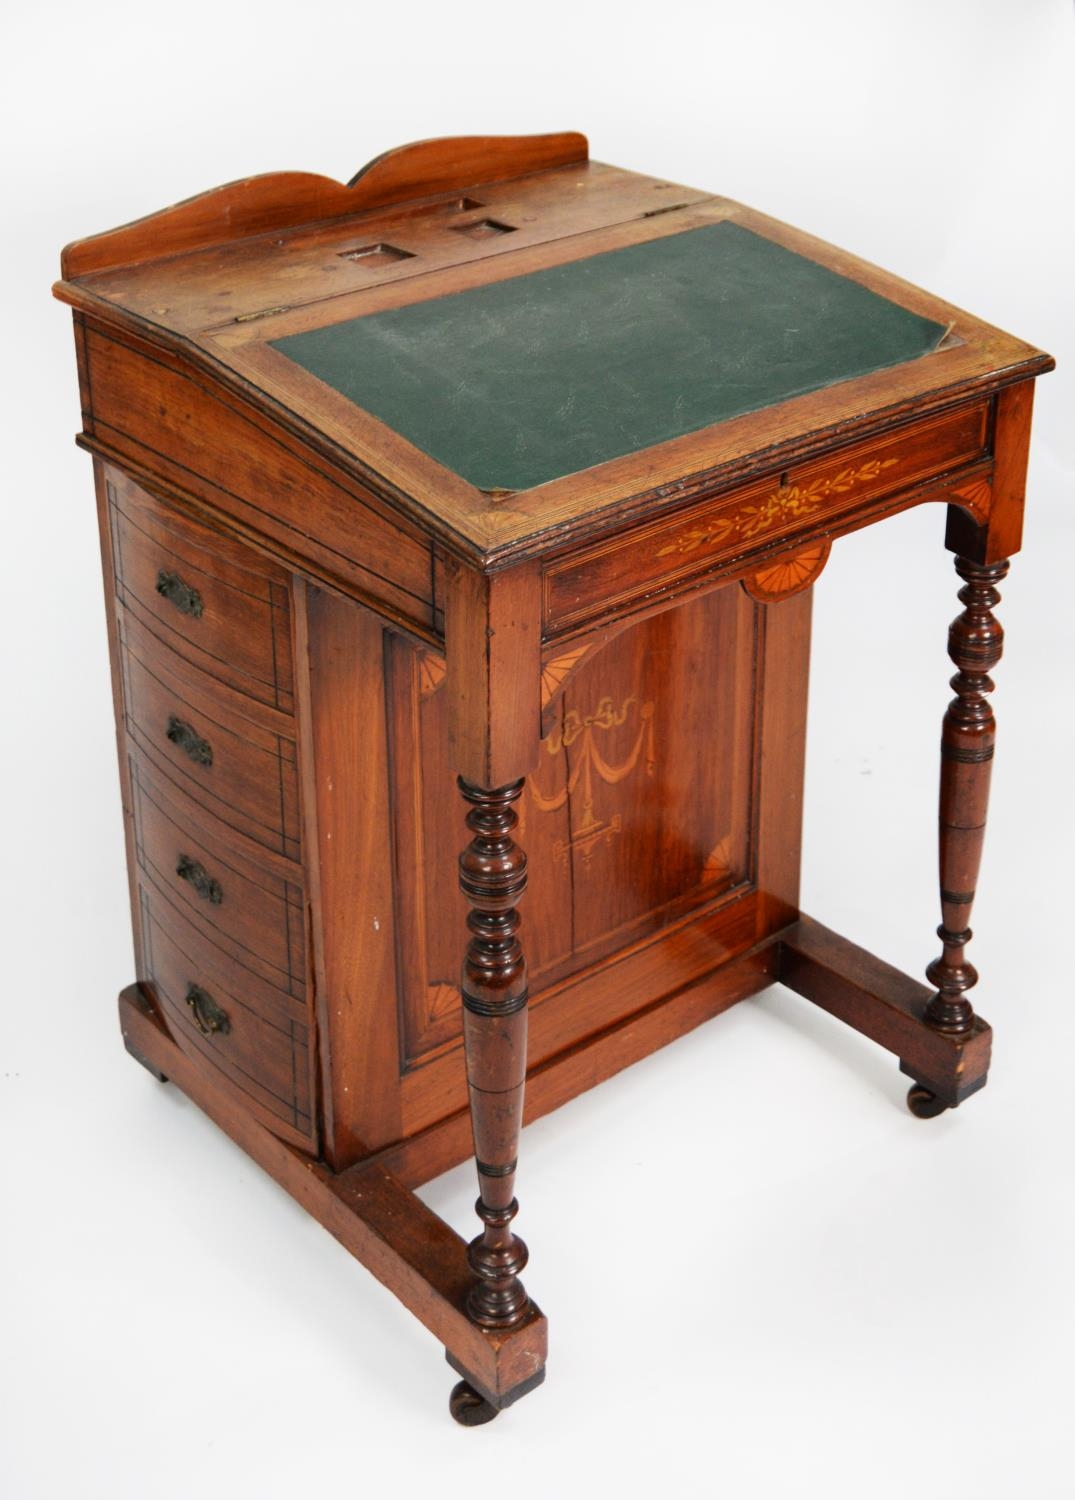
{"points": [[376, 255], [483, 229]]}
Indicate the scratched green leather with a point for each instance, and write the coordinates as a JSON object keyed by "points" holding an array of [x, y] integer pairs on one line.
{"points": [[542, 375]]}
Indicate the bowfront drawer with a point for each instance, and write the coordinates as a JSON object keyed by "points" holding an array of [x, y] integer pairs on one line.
{"points": [[255, 1038], [210, 599], [237, 764], [250, 905], [808, 499]]}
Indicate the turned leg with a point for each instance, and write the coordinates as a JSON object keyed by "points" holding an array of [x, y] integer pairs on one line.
{"points": [[975, 642], [492, 875]]}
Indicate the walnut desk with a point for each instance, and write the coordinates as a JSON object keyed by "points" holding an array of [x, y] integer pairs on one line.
{"points": [[497, 482]]}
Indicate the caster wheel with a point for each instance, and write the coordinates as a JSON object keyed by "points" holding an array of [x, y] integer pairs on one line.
{"points": [[924, 1105], [469, 1408]]}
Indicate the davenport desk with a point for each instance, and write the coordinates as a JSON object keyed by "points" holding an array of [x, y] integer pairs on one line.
{"points": [[497, 482]]}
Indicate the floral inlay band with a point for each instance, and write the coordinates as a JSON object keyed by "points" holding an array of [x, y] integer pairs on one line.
{"points": [[787, 503]]}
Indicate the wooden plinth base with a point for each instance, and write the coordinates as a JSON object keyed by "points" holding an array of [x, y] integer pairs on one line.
{"points": [[404, 1243], [885, 1005], [372, 1211]]}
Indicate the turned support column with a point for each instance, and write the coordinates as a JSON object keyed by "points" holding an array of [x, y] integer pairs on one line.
{"points": [[492, 876], [975, 642]]}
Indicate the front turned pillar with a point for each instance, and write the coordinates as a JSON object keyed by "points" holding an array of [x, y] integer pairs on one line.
{"points": [[492, 876]]}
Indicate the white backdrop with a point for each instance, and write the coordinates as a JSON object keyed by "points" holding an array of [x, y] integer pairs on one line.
{"points": [[764, 1278]]}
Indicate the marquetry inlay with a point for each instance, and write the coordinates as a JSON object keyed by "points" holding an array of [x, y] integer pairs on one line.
{"points": [[555, 672], [432, 670], [788, 575], [590, 764], [789, 502], [718, 863], [977, 493], [441, 1000]]}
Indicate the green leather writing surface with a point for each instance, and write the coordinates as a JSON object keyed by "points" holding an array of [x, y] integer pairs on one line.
{"points": [[525, 380]]}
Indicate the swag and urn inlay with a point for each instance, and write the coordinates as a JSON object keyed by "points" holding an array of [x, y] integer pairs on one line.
{"points": [[595, 755], [594, 761]]}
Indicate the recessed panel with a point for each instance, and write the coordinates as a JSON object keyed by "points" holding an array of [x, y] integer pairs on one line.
{"points": [[638, 813]]}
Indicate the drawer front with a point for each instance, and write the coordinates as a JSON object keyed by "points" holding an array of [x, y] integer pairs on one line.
{"points": [[665, 554], [245, 905], [243, 771], [255, 1038], [210, 599], [147, 404]]}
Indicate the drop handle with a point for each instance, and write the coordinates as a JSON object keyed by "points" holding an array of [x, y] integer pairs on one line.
{"points": [[188, 739], [209, 1017], [199, 879], [184, 596]]}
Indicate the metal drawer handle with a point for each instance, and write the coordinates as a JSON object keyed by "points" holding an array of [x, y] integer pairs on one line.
{"points": [[186, 599], [200, 879], [190, 741], [208, 1016]]}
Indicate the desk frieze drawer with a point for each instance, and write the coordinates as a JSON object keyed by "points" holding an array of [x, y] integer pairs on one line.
{"points": [[241, 769], [255, 1038], [246, 903], [662, 555], [214, 602]]}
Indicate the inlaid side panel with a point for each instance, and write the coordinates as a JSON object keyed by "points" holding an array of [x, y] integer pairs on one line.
{"points": [[639, 811]]}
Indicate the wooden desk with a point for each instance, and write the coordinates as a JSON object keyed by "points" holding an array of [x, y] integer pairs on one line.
{"points": [[502, 465]]}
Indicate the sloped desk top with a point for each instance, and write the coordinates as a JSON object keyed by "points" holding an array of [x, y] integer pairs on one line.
{"points": [[516, 361], [549, 373]]}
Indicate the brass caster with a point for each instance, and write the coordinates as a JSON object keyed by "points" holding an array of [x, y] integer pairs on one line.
{"points": [[468, 1407], [924, 1105]]}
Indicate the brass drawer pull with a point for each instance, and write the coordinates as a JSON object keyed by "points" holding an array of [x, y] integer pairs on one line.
{"points": [[199, 878], [186, 599], [189, 741], [208, 1016]]}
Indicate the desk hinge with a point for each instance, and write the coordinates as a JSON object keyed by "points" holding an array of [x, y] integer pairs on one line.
{"points": [[265, 312]]}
